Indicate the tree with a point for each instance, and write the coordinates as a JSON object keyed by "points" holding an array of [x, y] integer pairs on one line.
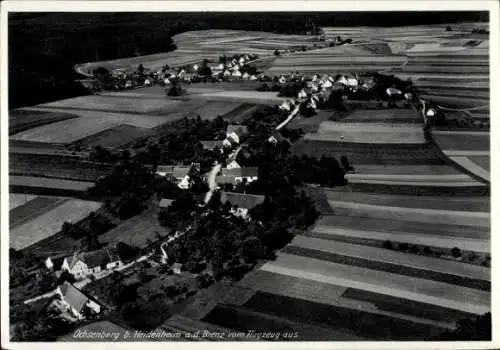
{"points": [[174, 91], [276, 52], [478, 328], [165, 68], [456, 252], [387, 245], [345, 163], [140, 69], [66, 277], [448, 28], [100, 72], [403, 246], [427, 251]]}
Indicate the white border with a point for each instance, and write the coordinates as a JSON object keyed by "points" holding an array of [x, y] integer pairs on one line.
{"points": [[264, 6]]}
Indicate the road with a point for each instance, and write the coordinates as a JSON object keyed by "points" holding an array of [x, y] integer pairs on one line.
{"points": [[290, 117], [212, 184]]}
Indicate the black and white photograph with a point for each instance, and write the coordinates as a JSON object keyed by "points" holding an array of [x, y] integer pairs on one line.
{"points": [[247, 174]]}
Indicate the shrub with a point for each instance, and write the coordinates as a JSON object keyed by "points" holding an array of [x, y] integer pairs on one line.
{"points": [[427, 251], [456, 252], [387, 245], [403, 246]]}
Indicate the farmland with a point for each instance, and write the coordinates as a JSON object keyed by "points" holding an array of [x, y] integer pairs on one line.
{"points": [[50, 222], [402, 252]]}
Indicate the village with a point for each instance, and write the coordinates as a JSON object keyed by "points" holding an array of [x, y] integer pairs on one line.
{"points": [[214, 198]]}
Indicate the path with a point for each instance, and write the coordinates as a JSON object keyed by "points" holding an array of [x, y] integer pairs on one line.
{"points": [[212, 184], [289, 119]]}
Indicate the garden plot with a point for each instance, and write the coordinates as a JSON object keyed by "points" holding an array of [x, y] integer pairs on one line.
{"points": [[19, 199], [421, 239], [48, 224], [425, 291], [462, 140], [464, 218], [368, 133], [425, 267]]}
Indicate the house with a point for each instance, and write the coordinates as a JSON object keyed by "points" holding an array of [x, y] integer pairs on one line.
{"points": [[282, 80], [226, 73], [147, 82], [195, 67], [286, 105], [248, 174], [225, 180], [235, 133], [241, 60], [75, 302], [164, 170], [253, 77], [352, 82], [393, 92], [177, 268], [165, 203], [236, 74], [56, 262], [241, 203], [166, 81], [315, 78], [180, 173], [220, 67], [302, 94], [431, 112], [314, 87], [245, 76], [408, 96], [213, 144], [276, 138], [327, 84], [342, 80], [128, 84], [84, 264], [234, 61]]}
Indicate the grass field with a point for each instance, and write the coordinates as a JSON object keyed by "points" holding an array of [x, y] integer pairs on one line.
{"points": [[49, 223], [243, 96], [399, 116]]}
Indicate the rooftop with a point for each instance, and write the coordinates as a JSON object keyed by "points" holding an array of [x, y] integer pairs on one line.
{"points": [[73, 296], [242, 200], [240, 172]]}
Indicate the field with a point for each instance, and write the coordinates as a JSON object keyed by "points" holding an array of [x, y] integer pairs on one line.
{"points": [[57, 166], [18, 199], [48, 183], [400, 116], [469, 149], [49, 223], [391, 261], [459, 298], [114, 137], [32, 209], [20, 120], [259, 97], [136, 231], [370, 133]]}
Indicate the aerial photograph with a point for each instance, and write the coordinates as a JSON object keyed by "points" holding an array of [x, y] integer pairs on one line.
{"points": [[249, 176]]}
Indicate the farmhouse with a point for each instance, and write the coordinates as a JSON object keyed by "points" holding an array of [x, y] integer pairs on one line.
{"points": [[246, 76], [276, 138], [247, 174], [282, 80], [393, 92], [164, 170], [302, 94], [165, 203], [235, 133], [236, 74], [82, 265], [213, 144], [241, 203], [286, 105], [72, 300]]}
